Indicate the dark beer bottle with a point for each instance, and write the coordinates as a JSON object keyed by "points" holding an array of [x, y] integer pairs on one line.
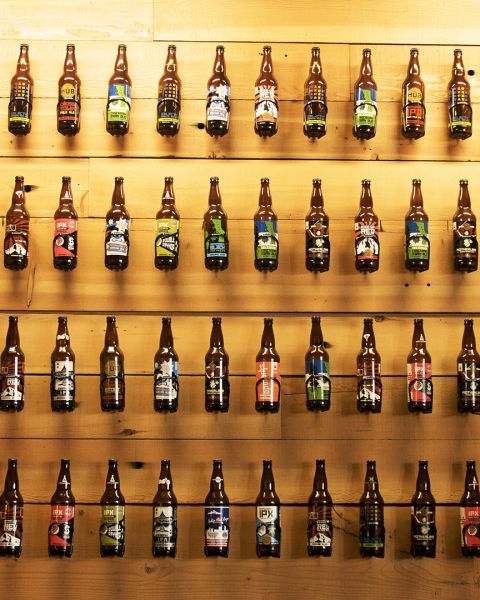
{"points": [[267, 372], [419, 373], [459, 105], [465, 244], [17, 221], [423, 529], [218, 97], [167, 242], [413, 100], [372, 529], [68, 106], [315, 99], [119, 95], [320, 523], [317, 237], [267, 508], [117, 242], [166, 384], [217, 385], [365, 101], [217, 515], [417, 244], [266, 245], [369, 379], [367, 244], [317, 371], [112, 519], [266, 98], [169, 96], [12, 367], [11, 513], [470, 513], [112, 374], [62, 514], [468, 373], [164, 532], [215, 229], [65, 232], [21, 96], [62, 378]]}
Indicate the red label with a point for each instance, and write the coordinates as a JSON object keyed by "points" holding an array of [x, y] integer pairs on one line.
{"points": [[60, 531], [268, 381], [65, 237], [420, 388], [470, 525], [367, 246]]}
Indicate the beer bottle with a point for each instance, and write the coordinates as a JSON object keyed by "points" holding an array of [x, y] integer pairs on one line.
{"points": [[12, 367], [119, 95], [21, 96], [215, 228], [417, 244], [164, 533], [419, 373], [217, 515], [317, 371], [470, 513], [217, 385], [465, 245], [423, 529], [413, 100], [317, 238], [459, 106], [62, 379], [468, 373], [17, 221], [112, 375], [65, 233], [266, 243], [68, 106], [117, 235], [372, 529], [365, 101], [166, 385], [11, 513], [167, 242], [218, 97], [320, 524], [369, 380], [266, 98], [112, 519], [169, 96], [267, 508], [62, 514], [267, 372], [367, 244], [315, 99]]}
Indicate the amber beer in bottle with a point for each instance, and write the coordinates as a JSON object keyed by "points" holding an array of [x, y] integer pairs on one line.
{"points": [[317, 371], [372, 529], [11, 513], [468, 373], [12, 367], [62, 514], [317, 237], [419, 373], [417, 244], [470, 513], [267, 508], [217, 385], [167, 242], [169, 96], [465, 244], [215, 229], [423, 529], [320, 523], [266, 243], [267, 372], [112, 516], [367, 244], [369, 381], [365, 101], [68, 106], [17, 221], [119, 95], [65, 232], [117, 242], [266, 98], [459, 103], [21, 96], [164, 532], [315, 99], [217, 515], [413, 100], [62, 379], [166, 383], [112, 374], [218, 97]]}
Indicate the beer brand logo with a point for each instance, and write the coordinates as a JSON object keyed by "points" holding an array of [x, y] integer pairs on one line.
{"points": [[414, 94]]}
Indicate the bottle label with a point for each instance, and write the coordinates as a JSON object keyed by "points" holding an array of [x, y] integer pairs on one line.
{"points": [[372, 531], [169, 103], [465, 239], [460, 110], [20, 106], [423, 525], [16, 238], [112, 526], [417, 243], [420, 386], [217, 526], [11, 380], [367, 246], [166, 380], [266, 243], [413, 109], [216, 380], [112, 384], [369, 382], [365, 109], [116, 241], [320, 527], [268, 381], [63, 380], [60, 532], [69, 103], [65, 238], [216, 241], [317, 379], [468, 383], [11, 525], [164, 527], [268, 525], [218, 103], [470, 526], [317, 240], [315, 105], [119, 102], [167, 241], [266, 104]]}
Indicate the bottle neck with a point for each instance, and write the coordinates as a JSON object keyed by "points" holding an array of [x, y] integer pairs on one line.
{"points": [[423, 479], [458, 69], [320, 479], [371, 480], [268, 338], [471, 480], [366, 200], [217, 482], [219, 65], [267, 61], [166, 337], [18, 197], [118, 197], [171, 62], [418, 340], [11, 479], [165, 480], [121, 64], [111, 335], [414, 66], [13, 340], [468, 342], [23, 64], [464, 196], [66, 198], [316, 338], [265, 199], [63, 338], [64, 480], [70, 65], [366, 67], [214, 198], [216, 337], [113, 479], [168, 198], [315, 64], [416, 200], [268, 483], [316, 201], [368, 337]]}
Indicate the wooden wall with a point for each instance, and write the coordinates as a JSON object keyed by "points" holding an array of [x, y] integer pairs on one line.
{"points": [[139, 296]]}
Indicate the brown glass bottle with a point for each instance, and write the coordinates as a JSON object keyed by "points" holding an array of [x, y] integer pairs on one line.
{"points": [[217, 385], [112, 374], [62, 514], [112, 519], [470, 513], [317, 236], [11, 513], [315, 99], [267, 507], [218, 97], [117, 236], [215, 229], [460, 113], [372, 529], [166, 382], [17, 221], [266, 244], [217, 515], [169, 96], [167, 242], [65, 232], [119, 95], [423, 530], [21, 96], [164, 531], [417, 244], [266, 98], [465, 244], [367, 243], [419, 373], [12, 369], [317, 371], [413, 100], [320, 523], [369, 379], [62, 378], [468, 373], [365, 101], [69, 102], [267, 372]]}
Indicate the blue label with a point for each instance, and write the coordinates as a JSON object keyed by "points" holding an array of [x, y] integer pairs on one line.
{"points": [[417, 227], [365, 95], [268, 525], [119, 100], [217, 526], [317, 379]]}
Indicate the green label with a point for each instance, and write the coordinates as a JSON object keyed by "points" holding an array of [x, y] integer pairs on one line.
{"points": [[118, 108], [112, 526], [166, 243], [417, 245], [215, 239], [266, 246]]}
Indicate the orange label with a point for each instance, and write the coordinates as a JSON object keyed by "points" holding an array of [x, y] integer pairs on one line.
{"points": [[268, 381], [414, 94]]}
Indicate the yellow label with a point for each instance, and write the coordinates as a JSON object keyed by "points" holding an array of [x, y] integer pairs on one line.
{"points": [[414, 94], [67, 91]]}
